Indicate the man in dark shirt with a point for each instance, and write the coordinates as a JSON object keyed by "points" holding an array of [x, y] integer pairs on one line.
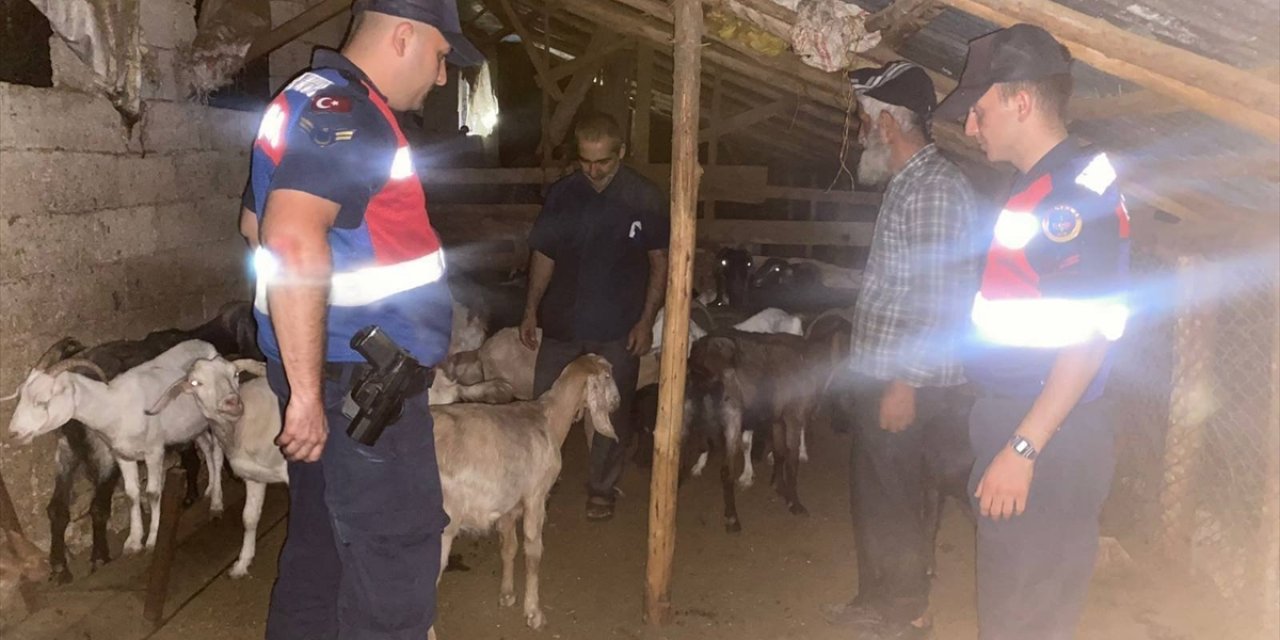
{"points": [[597, 276]]}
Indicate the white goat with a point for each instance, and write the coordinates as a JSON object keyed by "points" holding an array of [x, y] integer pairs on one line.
{"points": [[497, 463], [245, 418], [117, 411]]}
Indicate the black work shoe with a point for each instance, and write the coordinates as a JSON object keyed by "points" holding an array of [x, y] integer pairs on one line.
{"points": [[851, 612], [599, 509]]}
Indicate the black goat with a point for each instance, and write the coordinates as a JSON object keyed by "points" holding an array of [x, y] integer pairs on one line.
{"points": [[232, 332], [793, 287]]}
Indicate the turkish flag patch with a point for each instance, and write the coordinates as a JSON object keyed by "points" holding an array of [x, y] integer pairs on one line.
{"points": [[336, 104]]}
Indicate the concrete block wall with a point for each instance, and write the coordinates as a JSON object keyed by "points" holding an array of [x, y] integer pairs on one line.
{"points": [[107, 233]]}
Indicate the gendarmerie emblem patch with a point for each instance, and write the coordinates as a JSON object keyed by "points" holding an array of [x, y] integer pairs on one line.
{"points": [[1061, 223]]}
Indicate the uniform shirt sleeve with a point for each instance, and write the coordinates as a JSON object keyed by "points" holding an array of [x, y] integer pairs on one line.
{"points": [[1082, 254], [546, 236], [246, 198], [343, 156], [657, 219]]}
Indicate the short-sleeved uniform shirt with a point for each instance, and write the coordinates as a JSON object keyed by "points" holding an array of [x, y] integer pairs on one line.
{"points": [[600, 243], [1056, 273], [330, 133]]}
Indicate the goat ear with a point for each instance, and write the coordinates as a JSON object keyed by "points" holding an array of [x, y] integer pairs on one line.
{"points": [[250, 365], [602, 399], [170, 395]]}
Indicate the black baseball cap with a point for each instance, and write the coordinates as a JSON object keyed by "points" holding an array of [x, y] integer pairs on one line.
{"points": [[441, 14], [1019, 53], [900, 83]]}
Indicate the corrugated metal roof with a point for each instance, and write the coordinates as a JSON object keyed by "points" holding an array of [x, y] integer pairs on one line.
{"points": [[1242, 33]]}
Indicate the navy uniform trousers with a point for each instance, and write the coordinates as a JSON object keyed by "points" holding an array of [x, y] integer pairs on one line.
{"points": [[363, 548], [608, 456], [1034, 569]]}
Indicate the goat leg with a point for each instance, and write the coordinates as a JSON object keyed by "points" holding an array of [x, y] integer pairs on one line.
{"points": [[191, 465], [534, 515], [254, 495], [212, 452], [748, 471], [731, 466], [507, 534], [129, 474], [59, 511], [155, 485], [791, 471], [104, 489]]}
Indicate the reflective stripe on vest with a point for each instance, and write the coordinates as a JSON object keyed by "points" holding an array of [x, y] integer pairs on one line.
{"points": [[1048, 323], [355, 288]]}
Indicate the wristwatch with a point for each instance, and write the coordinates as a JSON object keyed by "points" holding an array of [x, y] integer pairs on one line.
{"points": [[1023, 447]]}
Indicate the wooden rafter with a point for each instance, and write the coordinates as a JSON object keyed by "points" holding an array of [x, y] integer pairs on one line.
{"points": [[298, 25], [592, 58], [721, 125], [1212, 87], [539, 58], [902, 19], [576, 92]]}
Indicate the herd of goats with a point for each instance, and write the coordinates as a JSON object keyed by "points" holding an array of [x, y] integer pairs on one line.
{"points": [[765, 344]]}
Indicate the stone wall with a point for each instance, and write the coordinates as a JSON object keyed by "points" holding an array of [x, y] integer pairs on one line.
{"points": [[108, 233]]}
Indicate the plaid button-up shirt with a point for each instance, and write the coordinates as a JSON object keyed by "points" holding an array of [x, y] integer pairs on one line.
{"points": [[920, 277]]}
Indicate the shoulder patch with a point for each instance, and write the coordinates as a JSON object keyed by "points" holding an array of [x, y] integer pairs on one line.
{"points": [[1061, 223], [324, 136]]}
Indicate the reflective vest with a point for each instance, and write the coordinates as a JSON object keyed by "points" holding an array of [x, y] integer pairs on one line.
{"points": [[390, 269], [1055, 274]]}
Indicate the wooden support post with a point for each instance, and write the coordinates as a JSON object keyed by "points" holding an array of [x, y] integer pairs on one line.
{"points": [[166, 544], [9, 522], [1189, 405], [644, 104], [675, 340]]}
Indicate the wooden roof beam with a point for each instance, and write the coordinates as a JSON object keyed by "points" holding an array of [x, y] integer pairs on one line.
{"points": [[1211, 87], [902, 19]]}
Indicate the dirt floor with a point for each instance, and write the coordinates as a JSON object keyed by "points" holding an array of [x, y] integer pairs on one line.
{"points": [[764, 583]]}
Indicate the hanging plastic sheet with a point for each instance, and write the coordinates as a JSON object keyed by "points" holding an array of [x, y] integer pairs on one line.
{"points": [[225, 30], [105, 35], [828, 34]]}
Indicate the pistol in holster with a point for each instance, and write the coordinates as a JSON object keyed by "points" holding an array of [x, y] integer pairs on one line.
{"points": [[378, 395]]}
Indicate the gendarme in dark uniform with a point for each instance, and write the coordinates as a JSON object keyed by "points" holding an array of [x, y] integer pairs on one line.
{"points": [[362, 553], [600, 242], [1053, 297]]}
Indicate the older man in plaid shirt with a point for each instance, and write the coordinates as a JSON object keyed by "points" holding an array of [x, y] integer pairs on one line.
{"points": [[919, 280]]}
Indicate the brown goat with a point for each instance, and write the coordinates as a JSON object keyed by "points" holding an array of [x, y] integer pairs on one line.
{"points": [[735, 378]]}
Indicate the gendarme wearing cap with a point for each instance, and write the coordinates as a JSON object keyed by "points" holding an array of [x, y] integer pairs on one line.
{"points": [[441, 14], [1020, 53]]}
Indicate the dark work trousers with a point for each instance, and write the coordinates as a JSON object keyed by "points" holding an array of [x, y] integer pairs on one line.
{"points": [[363, 547], [607, 455], [887, 500], [1034, 569]]}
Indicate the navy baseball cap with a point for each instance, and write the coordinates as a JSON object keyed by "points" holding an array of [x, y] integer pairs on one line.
{"points": [[1021, 53], [900, 83], [441, 14]]}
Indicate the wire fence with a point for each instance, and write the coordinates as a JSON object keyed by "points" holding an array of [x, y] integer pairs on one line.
{"points": [[1194, 395]]}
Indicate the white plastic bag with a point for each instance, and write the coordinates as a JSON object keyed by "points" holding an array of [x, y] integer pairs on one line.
{"points": [[829, 33]]}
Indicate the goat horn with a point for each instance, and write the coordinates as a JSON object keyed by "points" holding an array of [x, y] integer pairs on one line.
{"points": [[256, 367], [77, 363], [13, 396], [58, 351]]}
